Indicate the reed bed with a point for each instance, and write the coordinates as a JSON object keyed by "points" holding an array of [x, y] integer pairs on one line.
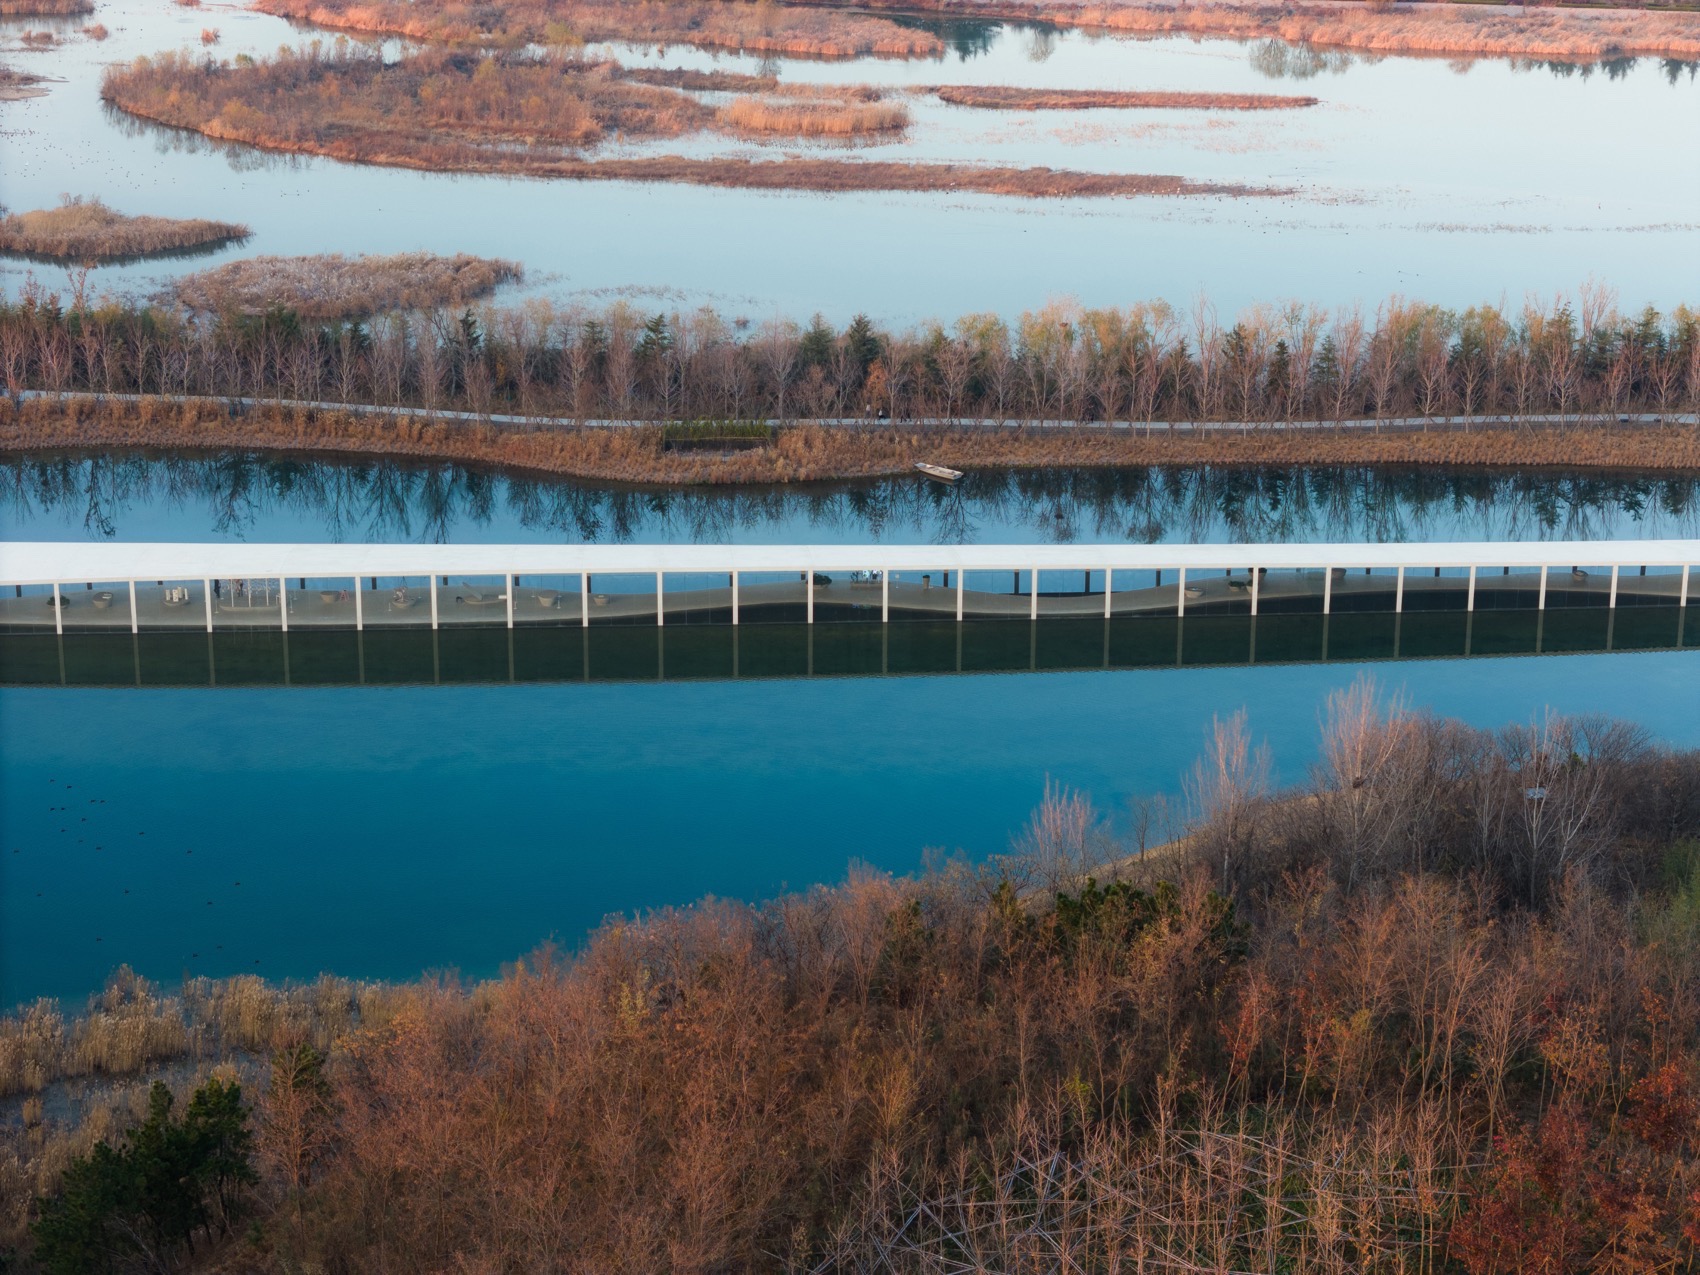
{"points": [[330, 286], [1002, 98], [775, 29], [45, 8], [1440, 29], [131, 1027], [86, 230], [811, 452], [823, 119]]}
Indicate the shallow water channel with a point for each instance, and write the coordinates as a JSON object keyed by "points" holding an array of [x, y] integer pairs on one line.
{"points": [[1455, 182], [384, 804]]}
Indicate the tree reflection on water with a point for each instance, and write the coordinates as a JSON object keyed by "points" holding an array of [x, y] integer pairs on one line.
{"points": [[244, 495]]}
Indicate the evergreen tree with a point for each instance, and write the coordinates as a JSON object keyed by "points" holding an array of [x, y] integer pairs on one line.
{"points": [[864, 342], [143, 1202], [815, 349]]}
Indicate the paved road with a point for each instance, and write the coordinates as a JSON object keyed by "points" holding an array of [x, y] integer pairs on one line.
{"points": [[1397, 423]]}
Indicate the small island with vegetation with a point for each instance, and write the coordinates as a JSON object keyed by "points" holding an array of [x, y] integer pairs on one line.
{"points": [[460, 110], [86, 231], [329, 287]]}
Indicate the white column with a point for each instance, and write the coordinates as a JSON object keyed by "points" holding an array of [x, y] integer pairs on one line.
{"points": [[134, 627], [584, 604], [283, 600], [206, 596], [1470, 598], [734, 597], [1180, 593], [1399, 593], [809, 575], [960, 586], [1256, 579], [1541, 602], [1612, 601], [660, 609], [431, 584], [1109, 580], [359, 612], [1682, 594], [510, 579], [1327, 595], [1033, 593], [885, 595], [58, 610]]}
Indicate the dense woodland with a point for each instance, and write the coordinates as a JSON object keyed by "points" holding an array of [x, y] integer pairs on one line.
{"points": [[1147, 362], [1436, 1011]]}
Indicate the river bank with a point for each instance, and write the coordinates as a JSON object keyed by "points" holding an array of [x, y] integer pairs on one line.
{"points": [[808, 452]]}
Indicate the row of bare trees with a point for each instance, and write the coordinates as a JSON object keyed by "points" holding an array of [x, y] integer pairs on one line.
{"points": [[1396, 1021], [1062, 363]]}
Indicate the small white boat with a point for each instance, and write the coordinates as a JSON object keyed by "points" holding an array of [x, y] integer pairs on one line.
{"points": [[939, 472]]}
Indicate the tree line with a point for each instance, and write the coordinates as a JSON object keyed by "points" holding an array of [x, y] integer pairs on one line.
{"points": [[1147, 362]]}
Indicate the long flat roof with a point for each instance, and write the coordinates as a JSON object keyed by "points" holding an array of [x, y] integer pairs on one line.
{"points": [[39, 562]]}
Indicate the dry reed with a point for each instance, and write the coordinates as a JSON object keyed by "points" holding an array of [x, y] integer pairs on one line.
{"points": [[45, 8], [87, 230], [775, 29], [814, 452], [1002, 98], [330, 286], [759, 115]]}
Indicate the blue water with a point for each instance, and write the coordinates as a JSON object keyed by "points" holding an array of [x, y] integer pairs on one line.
{"points": [[386, 832]]}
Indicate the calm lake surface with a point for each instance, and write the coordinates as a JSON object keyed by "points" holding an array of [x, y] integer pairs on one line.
{"points": [[1456, 182], [382, 831], [244, 496]]}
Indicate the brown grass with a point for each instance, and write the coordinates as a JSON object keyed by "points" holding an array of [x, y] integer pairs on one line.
{"points": [[45, 8], [87, 230], [700, 81], [446, 112], [758, 115], [209, 35], [96, 31], [777, 29], [1450, 30], [813, 452], [1002, 98], [331, 286]]}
